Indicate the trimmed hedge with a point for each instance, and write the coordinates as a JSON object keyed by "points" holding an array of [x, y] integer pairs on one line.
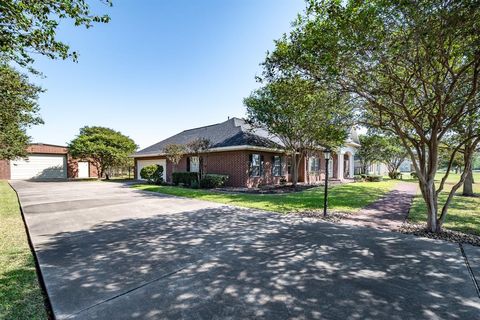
{"points": [[210, 181], [374, 178], [152, 173], [185, 178]]}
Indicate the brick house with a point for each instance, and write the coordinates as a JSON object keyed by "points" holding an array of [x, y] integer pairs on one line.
{"points": [[249, 156], [46, 161]]}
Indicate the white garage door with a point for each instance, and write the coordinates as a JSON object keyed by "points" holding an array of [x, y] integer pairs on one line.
{"points": [[144, 163], [36, 166]]}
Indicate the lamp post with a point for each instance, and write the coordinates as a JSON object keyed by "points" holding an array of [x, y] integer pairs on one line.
{"points": [[327, 152]]}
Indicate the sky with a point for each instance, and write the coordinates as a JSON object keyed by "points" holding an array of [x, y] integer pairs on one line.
{"points": [[159, 67]]}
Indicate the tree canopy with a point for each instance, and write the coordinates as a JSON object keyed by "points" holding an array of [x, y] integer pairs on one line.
{"points": [[175, 152], [303, 115], [18, 111], [104, 147], [30, 27], [413, 67]]}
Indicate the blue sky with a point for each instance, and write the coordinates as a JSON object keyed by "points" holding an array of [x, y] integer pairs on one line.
{"points": [[159, 66]]}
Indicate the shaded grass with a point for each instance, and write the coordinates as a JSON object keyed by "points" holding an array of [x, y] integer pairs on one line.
{"points": [[464, 212], [345, 198], [20, 294]]}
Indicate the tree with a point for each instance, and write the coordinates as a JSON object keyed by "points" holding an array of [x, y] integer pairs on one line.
{"points": [[393, 154], [104, 147], [303, 115], [175, 153], [368, 151], [413, 66], [18, 111], [30, 27], [198, 147]]}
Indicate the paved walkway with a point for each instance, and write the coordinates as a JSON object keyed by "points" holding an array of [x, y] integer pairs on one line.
{"points": [[389, 212]]}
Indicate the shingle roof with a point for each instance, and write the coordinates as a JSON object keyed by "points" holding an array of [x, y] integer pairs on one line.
{"points": [[233, 132]]}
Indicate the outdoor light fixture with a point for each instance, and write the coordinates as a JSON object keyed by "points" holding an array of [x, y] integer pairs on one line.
{"points": [[327, 153]]}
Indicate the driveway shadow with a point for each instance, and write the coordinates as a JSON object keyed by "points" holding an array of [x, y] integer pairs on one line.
{"points": [[230, 263]]}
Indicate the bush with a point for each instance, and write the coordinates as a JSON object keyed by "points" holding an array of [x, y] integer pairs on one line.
{"points": [[413, 175], [374, 178], [152, 173], [358, 177], [186, 178], [210, 181], [395, 175]]}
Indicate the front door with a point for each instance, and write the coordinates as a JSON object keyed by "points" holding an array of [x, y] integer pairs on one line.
{"points": [[83, 169]]}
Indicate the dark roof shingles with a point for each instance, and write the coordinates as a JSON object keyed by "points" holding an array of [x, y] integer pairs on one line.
{"points": [[233, 132]]}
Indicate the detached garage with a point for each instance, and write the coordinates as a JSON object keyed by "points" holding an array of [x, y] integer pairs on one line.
{"points": [[39, 166], [44, 162]]}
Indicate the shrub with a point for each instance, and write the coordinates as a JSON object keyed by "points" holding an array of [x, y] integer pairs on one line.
{"points": [[395, 175], [358, 177], [283, 181], [186, 178], [413, 175], [374, 178], [213, 181], [152, 173]]}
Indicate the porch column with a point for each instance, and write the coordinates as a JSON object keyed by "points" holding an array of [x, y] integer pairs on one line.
{"points": [[340, 160], [351, 162]]}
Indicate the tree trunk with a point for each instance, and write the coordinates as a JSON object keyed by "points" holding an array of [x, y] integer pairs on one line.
{"points": [[468, 183], [430, 197], [294, 169]]}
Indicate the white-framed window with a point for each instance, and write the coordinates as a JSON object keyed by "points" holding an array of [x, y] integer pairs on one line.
{"points": [[314, 164], [255, 165], [276, 166], [194, 164]]}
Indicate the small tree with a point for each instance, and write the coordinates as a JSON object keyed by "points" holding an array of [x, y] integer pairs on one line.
{"points": [[393, 154], [304, 116], [368, 153], [198, 147], [175, 153], [104, 147]]}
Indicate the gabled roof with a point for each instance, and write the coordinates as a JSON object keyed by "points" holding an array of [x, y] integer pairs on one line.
{"points": [[234, 132]]}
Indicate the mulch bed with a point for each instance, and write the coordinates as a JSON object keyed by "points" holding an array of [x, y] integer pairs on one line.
{"points": [[407, 228], [447, 235], [332, 216]]}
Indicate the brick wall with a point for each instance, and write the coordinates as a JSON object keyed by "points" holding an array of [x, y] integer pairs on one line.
{"points": [[4, 169], [47, 149], [235, 164]]}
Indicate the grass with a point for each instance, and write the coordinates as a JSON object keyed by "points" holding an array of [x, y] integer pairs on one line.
{"points": [[20, 294], [463, 213], [345, 198]]}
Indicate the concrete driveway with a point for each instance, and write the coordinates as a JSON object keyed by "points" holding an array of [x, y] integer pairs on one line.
{"points": [[110, 252]]}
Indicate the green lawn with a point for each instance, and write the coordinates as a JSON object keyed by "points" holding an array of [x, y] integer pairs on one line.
{"points": [[344, 198], [464, 212], [20, 295]]}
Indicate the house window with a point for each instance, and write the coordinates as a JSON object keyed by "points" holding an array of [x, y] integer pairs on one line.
{"points": [[193, 164], [314, 164], [276, 166], [256, 165]]}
